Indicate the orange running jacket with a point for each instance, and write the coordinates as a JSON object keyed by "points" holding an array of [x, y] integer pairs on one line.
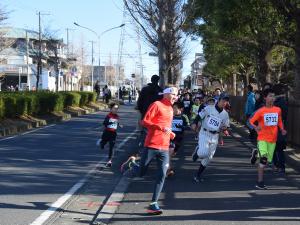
{"points": [[158, 117], [269, 119]]}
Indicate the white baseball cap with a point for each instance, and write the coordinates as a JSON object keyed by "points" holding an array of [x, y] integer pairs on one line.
{"points": [[170, 90]]}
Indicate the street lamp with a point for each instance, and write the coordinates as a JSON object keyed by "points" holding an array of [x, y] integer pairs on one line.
{"points": [[99, 37]]}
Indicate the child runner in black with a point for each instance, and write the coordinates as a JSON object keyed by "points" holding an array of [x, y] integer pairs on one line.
{"points": [[179, 123], [111, 123]]}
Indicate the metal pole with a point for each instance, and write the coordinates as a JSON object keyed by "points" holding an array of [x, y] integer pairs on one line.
{"points": [[99, 37], [27, 61], [92, 65], [20, 68], [99, 72]]}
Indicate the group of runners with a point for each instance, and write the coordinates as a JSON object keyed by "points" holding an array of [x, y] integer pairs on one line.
{"points": [[167, 113]]}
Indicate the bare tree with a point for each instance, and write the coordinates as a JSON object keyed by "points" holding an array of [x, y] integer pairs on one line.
{"points": [[3, 17], [161, 23], [4, 42]]}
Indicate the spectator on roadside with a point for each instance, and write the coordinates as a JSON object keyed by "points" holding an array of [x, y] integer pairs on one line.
{"points": [[103, 93], [120, 93], [259, 100], [267, 86], [97, 89], [148, 95], [281, 102], [107, 94], [129, 96], [249, 108]]}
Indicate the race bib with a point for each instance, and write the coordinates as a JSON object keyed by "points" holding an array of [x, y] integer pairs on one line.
{"points": [[186, 104], [195, 110], [177, 125], [114, 124], [213, 123], [271, 119]]}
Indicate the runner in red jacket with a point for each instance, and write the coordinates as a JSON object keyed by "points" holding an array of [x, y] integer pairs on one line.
{"points": [[158, 121]]}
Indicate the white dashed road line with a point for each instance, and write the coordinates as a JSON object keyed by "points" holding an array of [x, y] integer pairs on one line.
{"points": [[57, 204]]}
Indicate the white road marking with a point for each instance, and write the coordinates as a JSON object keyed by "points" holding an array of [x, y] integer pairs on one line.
{"points": [[236, 135], [59, 202]]}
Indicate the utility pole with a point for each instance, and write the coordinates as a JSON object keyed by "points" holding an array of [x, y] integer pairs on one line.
{"points": [[27, 62], [68, 43], [92, 65], [120, 52], [39, 65], [140, 57]]}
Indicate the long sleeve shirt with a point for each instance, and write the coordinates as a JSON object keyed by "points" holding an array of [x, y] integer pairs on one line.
{"points": [[158, 117], [269, 119], [250, 104], [111, 122]]}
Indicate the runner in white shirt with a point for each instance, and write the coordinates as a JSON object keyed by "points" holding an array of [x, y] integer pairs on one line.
{"points": [[215, 120]]}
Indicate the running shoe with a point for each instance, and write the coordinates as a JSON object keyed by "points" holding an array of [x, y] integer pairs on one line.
{"points": [[261, 185], [128, 164], [221, 142], [195, 155], [154, 209], [109, 163], [197, 179], [253, 156], [98, 142], [170, 173]]}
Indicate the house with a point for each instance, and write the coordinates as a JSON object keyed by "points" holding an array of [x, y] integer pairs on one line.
{"points": [[20, 56]]}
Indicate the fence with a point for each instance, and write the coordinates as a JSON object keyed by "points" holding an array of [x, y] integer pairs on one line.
{"points": [[293, 121]]}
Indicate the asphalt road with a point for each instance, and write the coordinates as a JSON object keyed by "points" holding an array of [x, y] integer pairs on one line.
{"points": [[40, 166], [227, 195]]}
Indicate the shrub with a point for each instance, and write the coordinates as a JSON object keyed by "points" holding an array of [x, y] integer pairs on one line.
{"points": [[50, 102], [32, 104], [84, 98], [9, 106], [92, 96], [21, 105], [71, 99], [2, 109]]}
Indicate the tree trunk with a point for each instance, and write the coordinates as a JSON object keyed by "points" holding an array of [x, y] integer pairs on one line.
{"points": [[297, 51], [264, 74], [38, 75], [162, 51], [234, 84]]}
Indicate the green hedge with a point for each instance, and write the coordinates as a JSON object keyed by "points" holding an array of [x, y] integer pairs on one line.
{"points": [[14, 104], [10, 107], [2, 109], [72, 99]]}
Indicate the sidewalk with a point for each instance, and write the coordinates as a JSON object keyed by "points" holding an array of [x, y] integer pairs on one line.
{"points": [[227, 195]]}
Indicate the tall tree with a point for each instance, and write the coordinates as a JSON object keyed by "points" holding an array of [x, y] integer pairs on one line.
{"points": [[251, 28], [161, 24], [290, 9], [4, 43]]}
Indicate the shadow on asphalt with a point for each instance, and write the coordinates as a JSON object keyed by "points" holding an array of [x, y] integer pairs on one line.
{"points": [[226, 194]]}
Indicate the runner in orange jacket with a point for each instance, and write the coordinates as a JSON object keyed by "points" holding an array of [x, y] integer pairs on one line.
{"points": [[269, 119]]}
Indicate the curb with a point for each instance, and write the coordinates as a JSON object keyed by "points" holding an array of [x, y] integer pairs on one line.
{"points": [[40, 122]]}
